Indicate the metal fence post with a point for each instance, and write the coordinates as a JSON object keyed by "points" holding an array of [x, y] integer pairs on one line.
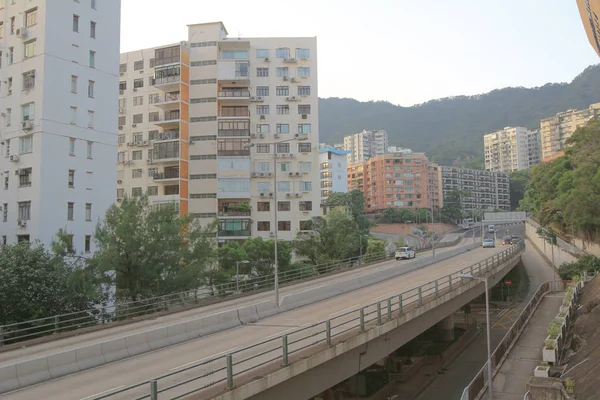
{"points": [[389, 309], [362, 319], [450, 281], [153, 390], [56, 322], [379, 313], [420, 296], [1, 336], [328, 332], [471, 269], [230, 372], [285, 350], [436, 289], [400, 304]]}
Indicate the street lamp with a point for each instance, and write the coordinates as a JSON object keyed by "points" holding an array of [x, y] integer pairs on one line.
{"points": [[274, 144], [487, 320], [237, 274]]}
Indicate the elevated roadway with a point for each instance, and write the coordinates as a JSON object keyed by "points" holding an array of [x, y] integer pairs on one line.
{"points": [[93, 383]]}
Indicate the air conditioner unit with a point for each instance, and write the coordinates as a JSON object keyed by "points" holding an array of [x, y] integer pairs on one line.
{"points": [[121, 111], [119, 182], [17, 172], [297, 194], [146, 143], [134, 125], [119, 199], [304, 116], [22, 223], [288, 195], [141, 72], [137, 143], [259, 98], [283, 155], [135, 89], [262, 174], [254, 174], [14, 158], [263, 117], [120, 127], [271, 234], [291, 174], [262, 135], [291, 155], [253, 136], [130, 144], [294, 80], [121, 91], [267, 59], [262, 195], [270, 174], [271, 194], [253, 98], [276, 135], [27, 125], [285, 78], [149, 161], [21, 33], [298, 173]]}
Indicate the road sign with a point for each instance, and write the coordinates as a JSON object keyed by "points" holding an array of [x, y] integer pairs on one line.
{"points": [[508, 283]]}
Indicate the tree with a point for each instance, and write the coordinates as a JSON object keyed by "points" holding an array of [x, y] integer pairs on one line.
{"points": [[518, 185], [353, 199], [36, 284], [452, 209], [585, 263], [259, 253], [142, 247], [376, 247]]}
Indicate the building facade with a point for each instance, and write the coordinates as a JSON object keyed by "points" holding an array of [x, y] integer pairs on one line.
{"points": [[58, 129], [366, 144], [485, 190], [512, 149], [589, 11], [396, 180], [557, 129], [334, 171], [225, 127]]}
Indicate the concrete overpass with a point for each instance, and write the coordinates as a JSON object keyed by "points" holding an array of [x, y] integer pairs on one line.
{"points": [[255, 341]]}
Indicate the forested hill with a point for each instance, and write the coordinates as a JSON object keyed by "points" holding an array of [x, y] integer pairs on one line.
{"points": [[451, 129]]}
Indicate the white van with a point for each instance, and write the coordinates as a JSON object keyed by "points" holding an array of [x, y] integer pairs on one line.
{"points": [[405, 253], [491, 229]]}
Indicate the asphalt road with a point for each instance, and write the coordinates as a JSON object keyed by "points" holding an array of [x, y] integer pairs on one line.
{"points": [[86, 384]]}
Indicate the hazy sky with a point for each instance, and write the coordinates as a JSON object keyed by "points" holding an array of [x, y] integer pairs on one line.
{"points": [[402, 51]]}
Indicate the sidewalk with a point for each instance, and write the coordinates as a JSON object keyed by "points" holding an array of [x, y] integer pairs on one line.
{"points": [[510, 382]]}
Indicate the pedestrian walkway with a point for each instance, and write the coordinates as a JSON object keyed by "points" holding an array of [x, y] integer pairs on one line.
{"points": [[510, 382]]}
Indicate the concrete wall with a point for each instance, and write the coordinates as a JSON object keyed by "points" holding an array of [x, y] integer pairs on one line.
{"points": [[587, 246], [546, 249]]}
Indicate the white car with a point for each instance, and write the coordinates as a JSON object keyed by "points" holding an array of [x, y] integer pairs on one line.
{"points": [[491, 229], [405, 253]]}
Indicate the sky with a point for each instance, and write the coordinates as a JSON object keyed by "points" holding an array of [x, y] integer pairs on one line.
{"points": [[402, 51]]}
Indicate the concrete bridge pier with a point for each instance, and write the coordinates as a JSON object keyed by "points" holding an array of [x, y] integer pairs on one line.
{"points": [[446, 328]]}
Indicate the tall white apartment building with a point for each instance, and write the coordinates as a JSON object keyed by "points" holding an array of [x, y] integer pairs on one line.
{"points": [[225, 127], [333, 164], [366, 144], [512, 149], [58, 129]]}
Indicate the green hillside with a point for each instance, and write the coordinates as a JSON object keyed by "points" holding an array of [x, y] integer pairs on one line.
{"points": [[451, 129]]}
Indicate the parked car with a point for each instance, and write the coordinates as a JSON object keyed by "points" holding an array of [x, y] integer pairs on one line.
{"points": [[507, 239], [405, 253], [489, 243]]}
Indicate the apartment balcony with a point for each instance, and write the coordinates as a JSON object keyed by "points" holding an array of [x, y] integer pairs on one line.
{"points": [[234, 95], [168, 83], [234, 234], [241, 113], [170, 101], [233, 132], [237, 152], [234, 213], [165, 158], [233, 72], [167, 135], [168, 120], [168, 175]]}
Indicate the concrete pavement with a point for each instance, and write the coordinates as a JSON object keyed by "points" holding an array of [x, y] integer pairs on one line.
{"points": [[145, 366]]}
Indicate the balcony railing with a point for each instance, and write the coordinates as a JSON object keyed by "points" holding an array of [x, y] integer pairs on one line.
{"points": [[242, 152], [166, 175], [234, 213], [167, 117], [234, 93], [167, 79], [166, 155], [168, 135], [233, 233], [234, 113], [234, 132], [169, 97]]}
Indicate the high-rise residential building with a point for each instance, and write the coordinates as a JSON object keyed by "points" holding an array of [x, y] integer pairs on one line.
{"points": [[485, 190], [590, 11], [557, 129], [334, 171], [58, 129], [223, 126], [512, 149], [396, 180], [366, 144]]}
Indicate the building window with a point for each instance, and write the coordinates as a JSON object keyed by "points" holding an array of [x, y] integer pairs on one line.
{"points": [[123, 68], [137, 65], [11, 54], [122, 86], [281, 72], [138, 101], [284, 225], [302, 53], [31, 17], [283, 128], [28, 79], [90, 119], [136, 192], [303, 109], [305, 225], [154, 98], [70, 211], [262, 91], [136, 155], [305, 186], [28, 112], [12, 25], [304, 166], [283, 206], [304, 128], [262, 110], [138, 83], [283, 110], [73, 116], [264, 187], [71, 146], [153, 116], [90, 148], [303, 72], [263, 206], [282, 53], [120, 193], [282, 90], [262, 148], [88, 243], [29, 49], [138, 137], [304, 147], [284, 187], [75, 23], [262, 128], [263, 226], [262, 53], [284, 166], [305, 206], [153, 62], [283, 148], [262, 72], [25, 210], [88, 212], [152, 191], [25, 177], [71, 179], [90, 88], [8, 116], [303, 90], [93, 4], [93, 30], [137, 173], [92, 59], [234, 54], [26, 144], [5, 212], [138, 118]]}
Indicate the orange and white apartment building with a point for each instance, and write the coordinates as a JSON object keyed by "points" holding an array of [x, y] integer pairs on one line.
{"points": [[397, 180], [206, 121]]}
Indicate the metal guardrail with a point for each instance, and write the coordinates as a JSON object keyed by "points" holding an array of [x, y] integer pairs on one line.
{"points": [[31, 329], [478, 385], [231, 369]]}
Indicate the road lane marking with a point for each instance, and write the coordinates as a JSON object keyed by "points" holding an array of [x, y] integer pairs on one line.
{"points": [[106, 391], [344, 310], [287, 330], [204, 359]]}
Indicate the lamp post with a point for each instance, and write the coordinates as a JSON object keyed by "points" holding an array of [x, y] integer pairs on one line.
{"points": [[487, 322], [550, 237], [276, 266], [237, 274]]}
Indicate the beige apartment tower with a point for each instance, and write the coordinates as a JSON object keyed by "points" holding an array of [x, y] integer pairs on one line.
{"points": [[511, 149], [557, 129], [365, 144], [223, 126]]}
